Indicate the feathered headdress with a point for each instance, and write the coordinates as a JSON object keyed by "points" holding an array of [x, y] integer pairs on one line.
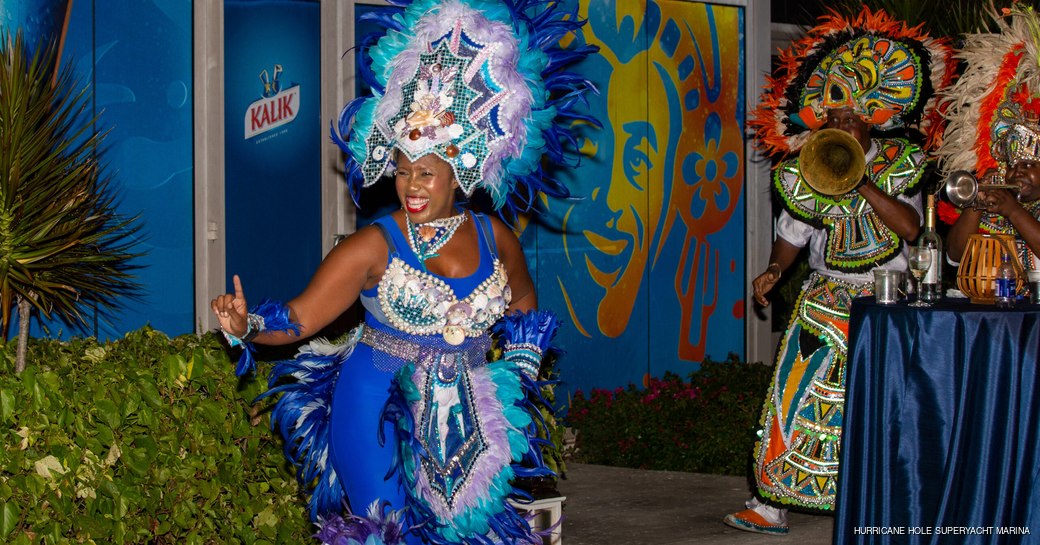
{"points": [[876, 65], [993, 108], [479, 83]]}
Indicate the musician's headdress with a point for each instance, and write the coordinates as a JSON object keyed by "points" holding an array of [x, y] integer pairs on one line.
{"points": [[874, 64], [994, 107]]}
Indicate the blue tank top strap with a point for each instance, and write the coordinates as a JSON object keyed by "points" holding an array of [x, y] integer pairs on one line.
{"points": [[484, 222], [388, 232], [391, 247]]}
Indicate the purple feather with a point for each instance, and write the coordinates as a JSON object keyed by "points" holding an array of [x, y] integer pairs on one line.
{"points": [[387, 528]]}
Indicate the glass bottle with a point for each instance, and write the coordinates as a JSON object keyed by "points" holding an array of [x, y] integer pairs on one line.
{"points": [[1007, 281], [931, 286]]}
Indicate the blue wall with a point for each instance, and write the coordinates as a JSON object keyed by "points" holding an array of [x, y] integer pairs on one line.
{"points": [[137, 59]]}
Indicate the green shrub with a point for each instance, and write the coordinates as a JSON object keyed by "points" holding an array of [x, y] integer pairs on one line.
{"points": [[143, 440], [705, 424]]}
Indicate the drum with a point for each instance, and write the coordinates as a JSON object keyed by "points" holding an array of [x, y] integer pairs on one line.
{"points": [[977, 273]]}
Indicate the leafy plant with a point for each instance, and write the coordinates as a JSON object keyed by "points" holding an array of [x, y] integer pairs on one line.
{"points": [[704, 424], [146, 439], [553, 452], [63, 248]]}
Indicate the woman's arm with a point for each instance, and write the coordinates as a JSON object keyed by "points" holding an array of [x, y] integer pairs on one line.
{"points": [[512, 256], [354, 264]]}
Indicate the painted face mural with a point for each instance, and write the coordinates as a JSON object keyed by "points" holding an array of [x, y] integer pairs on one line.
{"points": [[655, 251]]}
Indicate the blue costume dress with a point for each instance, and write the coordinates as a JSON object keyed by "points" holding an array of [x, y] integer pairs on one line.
{"points": [[409, 413]]}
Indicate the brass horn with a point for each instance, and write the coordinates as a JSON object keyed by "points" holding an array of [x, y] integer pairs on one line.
{"points": [[963, 189], [832, 162]]}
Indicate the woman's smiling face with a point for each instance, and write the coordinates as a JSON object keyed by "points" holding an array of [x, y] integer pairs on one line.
{"points": [[425, 187]]}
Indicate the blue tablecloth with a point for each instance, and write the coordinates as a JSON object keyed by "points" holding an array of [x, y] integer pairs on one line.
{"points": [[941, 439]]}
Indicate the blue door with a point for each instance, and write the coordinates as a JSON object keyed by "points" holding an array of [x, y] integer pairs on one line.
{"points": [[272, 141]]}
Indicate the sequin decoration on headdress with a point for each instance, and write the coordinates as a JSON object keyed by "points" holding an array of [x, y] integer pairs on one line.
{"points": [[874, 64], [479, 83], [992, 109]]}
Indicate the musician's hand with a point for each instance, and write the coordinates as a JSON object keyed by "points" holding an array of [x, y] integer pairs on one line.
{"points": [[998, 201], [764, 282]]}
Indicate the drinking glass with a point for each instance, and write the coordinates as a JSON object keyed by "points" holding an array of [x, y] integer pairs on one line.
{"points": [[920, 260]]}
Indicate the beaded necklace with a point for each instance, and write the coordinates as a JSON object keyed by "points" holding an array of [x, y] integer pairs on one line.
{"points": [[426, 238]]}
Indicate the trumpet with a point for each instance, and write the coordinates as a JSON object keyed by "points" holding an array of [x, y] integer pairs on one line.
{"points": [[963, 189], [832, 162]]}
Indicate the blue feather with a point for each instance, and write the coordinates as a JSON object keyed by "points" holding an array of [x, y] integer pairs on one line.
{"points": [[302, 416], [364, 65], [246, 361], [276, 318], [535, 326], [341, 135]]}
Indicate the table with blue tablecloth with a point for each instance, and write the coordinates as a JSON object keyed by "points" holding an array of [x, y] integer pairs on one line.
{"points": [[941, 438]]}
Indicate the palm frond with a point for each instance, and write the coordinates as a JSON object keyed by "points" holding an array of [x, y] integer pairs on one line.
{"points": [[63, 246]]}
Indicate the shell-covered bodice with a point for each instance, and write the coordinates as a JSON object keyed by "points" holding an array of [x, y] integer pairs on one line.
{"points": [[421, 303]]}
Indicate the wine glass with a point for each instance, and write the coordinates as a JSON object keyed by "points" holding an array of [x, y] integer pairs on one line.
{"points": [[920, 260]]}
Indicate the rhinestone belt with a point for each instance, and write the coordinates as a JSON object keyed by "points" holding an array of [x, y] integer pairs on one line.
{"points": [[472, 355]]}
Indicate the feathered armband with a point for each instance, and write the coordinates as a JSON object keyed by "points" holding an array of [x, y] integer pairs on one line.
{"points": [[526, 337], [268, 315]]}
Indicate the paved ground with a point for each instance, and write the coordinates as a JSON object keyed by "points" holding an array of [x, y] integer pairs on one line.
{"points": [[620, 506]]}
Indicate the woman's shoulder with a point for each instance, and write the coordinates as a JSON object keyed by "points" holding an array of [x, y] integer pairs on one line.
{"points": [[392, 219], [384, 226], [370, 238], [491, 220]]}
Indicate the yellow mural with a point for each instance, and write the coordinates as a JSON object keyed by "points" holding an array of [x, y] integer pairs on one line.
{"points": [[670, 175]]}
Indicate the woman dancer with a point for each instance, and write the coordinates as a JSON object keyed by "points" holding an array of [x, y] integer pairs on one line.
{"points": [[408, 413]]}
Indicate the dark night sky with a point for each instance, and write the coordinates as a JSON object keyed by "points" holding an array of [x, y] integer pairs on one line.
{"points": [[792, 11], [804, 12]]}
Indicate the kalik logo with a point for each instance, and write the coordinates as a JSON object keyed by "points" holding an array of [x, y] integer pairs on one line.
{"points": [[275, 109]]}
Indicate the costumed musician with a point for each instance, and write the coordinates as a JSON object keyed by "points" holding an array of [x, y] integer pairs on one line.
{"points": [[993, 132], [870, 73]]}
